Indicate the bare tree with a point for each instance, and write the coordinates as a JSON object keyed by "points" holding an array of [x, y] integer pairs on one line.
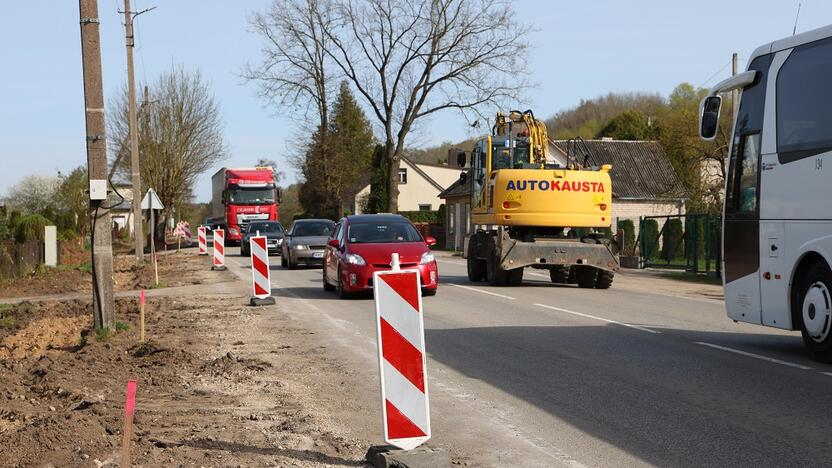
{"points": [[295, 68], [34, 193], [410, 60], [180, 136]]}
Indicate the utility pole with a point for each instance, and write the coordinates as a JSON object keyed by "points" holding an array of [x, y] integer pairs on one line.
{"points": [[735, 93], [134, 137], [102, 249]]}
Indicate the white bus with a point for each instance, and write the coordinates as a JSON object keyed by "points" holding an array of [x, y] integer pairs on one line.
{"points": [[777, 216]]}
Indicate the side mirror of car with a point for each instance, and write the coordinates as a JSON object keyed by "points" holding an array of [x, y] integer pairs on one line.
{"points": [[333, 243], [430, 241]]}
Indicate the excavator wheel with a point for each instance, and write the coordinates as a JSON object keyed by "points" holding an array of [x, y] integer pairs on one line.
{"points": [[587, 276], [514, 277], [494, 272], [604, 280], [476, 266], [559, 274]]}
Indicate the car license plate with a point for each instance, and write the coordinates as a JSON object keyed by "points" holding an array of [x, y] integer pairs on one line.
{"points": [[318, 255]]}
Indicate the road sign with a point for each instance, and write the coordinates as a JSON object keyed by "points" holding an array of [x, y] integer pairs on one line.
{"points": [[401, 353], [151, 201]]}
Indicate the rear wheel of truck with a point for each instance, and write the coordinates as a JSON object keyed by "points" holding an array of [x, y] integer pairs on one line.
{"points": [[559, 274], [586, 276], [604, 280], [476, 266]]}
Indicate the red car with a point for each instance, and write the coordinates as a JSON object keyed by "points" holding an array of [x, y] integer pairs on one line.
{"points": [[363, 244]]}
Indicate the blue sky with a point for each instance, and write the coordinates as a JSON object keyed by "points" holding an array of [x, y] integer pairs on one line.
{"points": [[582, 49]]}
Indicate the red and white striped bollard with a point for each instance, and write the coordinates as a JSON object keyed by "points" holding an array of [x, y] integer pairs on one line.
{"points": [[401, 354], [202, 238], [219, 250], [260, 277]]}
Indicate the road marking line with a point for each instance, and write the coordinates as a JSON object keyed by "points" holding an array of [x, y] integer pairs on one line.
{"points": [[757, 356], [482, 291], [629, 325], [827, 373]]}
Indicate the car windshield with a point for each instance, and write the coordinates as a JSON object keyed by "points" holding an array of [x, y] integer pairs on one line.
{"points": [[313, 229], [251, 196], [383, 232], [264, 228]]}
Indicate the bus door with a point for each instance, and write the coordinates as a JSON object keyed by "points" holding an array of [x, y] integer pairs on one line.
{"points": [[741, 230]]}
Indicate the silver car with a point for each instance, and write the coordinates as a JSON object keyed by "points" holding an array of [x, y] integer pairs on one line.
{"points": [[305, 242]]}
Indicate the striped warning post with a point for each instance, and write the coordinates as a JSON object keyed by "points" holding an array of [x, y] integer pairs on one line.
{"points": [[260, 278], [202, 238], [401, 352], [219, 249]]}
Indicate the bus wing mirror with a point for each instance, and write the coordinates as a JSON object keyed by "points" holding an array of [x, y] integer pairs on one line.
{"points": [[709, 117]]}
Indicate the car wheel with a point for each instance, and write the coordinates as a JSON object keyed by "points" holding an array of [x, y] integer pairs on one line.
{"points": [[283, 261], [429, 292], [292, 265], [327, 286], [815, 302], [342, 293], [244, 251]]}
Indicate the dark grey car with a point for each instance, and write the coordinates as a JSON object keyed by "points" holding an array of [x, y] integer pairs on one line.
{"points": [[273, 231], [305, 242]]}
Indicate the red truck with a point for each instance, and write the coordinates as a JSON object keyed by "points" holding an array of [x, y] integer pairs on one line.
{"points": [[240, 196]]}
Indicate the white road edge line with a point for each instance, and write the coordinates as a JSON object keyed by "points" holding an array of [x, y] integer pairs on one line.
{"points": [[482, 291], [756, 356], [579, 314]]}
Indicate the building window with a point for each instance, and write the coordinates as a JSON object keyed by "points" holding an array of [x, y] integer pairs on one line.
{"points": [[424, 206], [403, 175]]}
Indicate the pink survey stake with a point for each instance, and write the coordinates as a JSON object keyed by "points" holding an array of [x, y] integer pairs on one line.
{"points": [[130, 404]]}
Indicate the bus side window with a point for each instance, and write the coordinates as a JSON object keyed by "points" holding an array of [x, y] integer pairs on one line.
{"points": [[747, 194]]}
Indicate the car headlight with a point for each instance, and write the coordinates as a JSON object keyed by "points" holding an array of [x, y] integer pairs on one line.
{"points": [[427, 257], [354, 259], [279, 241], [300, 247]]}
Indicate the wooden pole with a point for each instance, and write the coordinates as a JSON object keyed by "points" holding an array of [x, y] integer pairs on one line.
{"points": [[104, 315], [129, 409], [141, 316]]}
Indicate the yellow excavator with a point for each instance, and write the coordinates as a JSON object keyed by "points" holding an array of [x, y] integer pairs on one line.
{"points": [[531, 211]]}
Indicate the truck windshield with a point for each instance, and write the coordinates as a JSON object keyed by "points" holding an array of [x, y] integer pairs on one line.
{"points": [[254, 196]]}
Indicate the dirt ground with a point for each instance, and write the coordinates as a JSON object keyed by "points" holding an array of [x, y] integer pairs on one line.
{"points": [[175, 269], [212, 389]]}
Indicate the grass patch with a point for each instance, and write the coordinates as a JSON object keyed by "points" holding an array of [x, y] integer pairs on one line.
{"points": [[85, 267], [691, 277], [8, 321], [121, 326], [158, 286], [5, 307], [102, 335]]}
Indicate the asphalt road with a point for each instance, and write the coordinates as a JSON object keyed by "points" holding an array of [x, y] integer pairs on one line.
{"points": [[549, 375]]}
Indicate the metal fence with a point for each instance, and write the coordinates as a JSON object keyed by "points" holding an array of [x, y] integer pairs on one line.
{"points": [[690, 242]]}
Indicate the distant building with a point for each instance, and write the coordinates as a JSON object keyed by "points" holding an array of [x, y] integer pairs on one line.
{"points": [[121, 213], [644, 183], [419, 186]]}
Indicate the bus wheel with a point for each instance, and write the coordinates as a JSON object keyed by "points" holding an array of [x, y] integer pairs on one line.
{"points": [[816, 312]]}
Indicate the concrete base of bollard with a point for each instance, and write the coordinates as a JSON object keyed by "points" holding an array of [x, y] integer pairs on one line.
{"points": [[256, 301], [219, 268], [387, 456]]}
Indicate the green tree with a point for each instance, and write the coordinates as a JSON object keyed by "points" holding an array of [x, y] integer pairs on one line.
{"points": [[649, 239], [74, 201], [629, 247], [628, 125], [336, 158], [672, 240], [30, 227], [377, 201]]}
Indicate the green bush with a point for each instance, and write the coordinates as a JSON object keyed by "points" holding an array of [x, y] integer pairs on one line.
{"points": [[431, 217], [629, 247], [649, 239], [30, 227], [672, 240]]}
